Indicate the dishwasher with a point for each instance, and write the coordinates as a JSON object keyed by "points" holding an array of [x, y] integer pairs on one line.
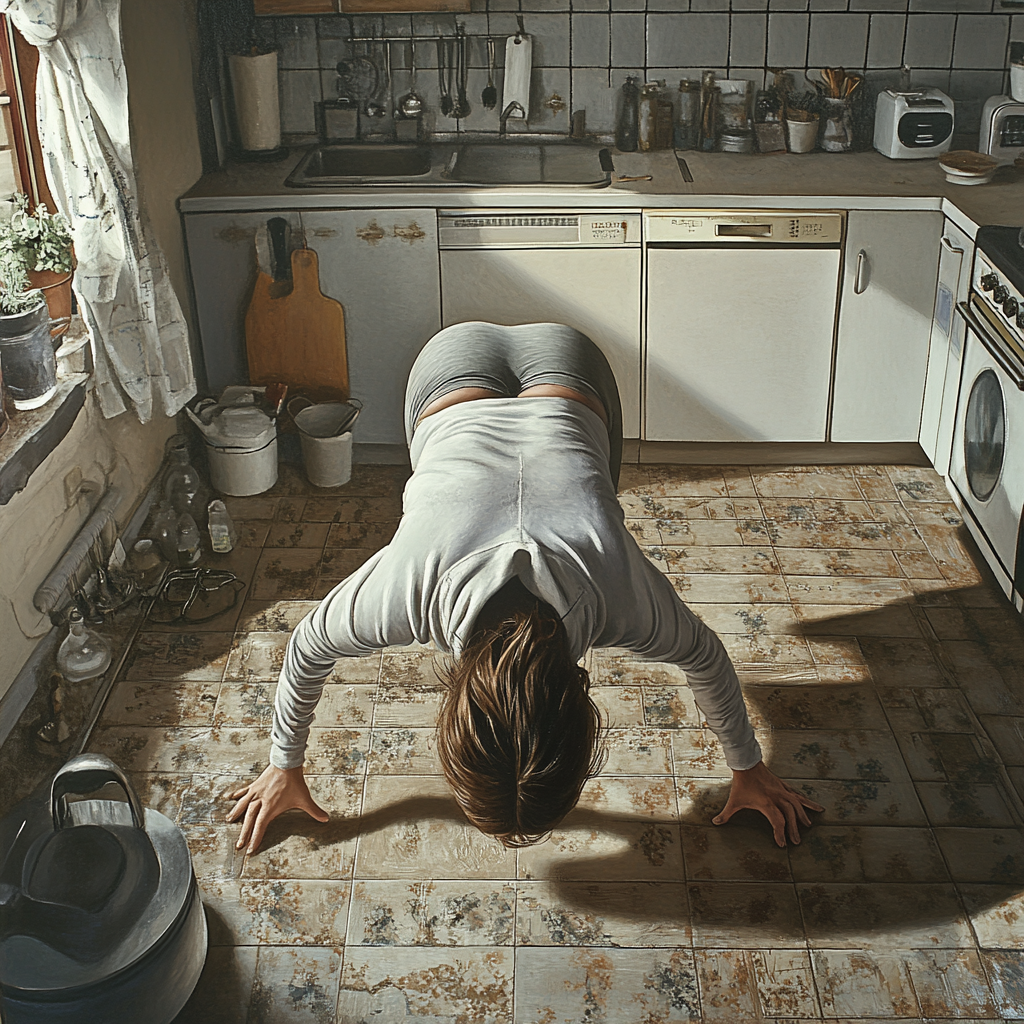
{"points": [[570, 267], [740, 324]]}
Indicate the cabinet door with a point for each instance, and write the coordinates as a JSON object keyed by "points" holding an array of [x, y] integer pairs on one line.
{"points": [[739, 343], [222, 260], [382, 266], [885, 313], [597, 291]]}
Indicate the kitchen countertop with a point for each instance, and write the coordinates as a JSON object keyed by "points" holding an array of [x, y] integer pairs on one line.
{"points": [[786, 180]]}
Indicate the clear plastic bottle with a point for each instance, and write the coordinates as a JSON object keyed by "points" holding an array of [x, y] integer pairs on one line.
{"points": [[223, 535], [687, 114], [188, 547], [626, 126], [182, 485], [83, 654]]}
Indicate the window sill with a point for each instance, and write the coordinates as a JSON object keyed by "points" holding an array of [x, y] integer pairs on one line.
{"points": [[31, 436]]}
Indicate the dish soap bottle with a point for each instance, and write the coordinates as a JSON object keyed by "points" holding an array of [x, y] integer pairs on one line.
{"points": [[223, 536], [83, 654], [626, 127]]}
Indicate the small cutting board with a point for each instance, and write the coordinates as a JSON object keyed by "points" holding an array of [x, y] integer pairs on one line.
{"points": [[298, 337]]}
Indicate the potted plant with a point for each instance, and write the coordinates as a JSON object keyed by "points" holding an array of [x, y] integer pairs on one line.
{"points": [[36, 253]]}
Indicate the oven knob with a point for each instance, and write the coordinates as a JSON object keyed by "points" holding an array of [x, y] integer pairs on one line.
{"points": [[1010, 308], [988, 282], [1000, 294]]}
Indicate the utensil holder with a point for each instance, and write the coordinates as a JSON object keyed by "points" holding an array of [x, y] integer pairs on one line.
{"points": [[802, 135]]}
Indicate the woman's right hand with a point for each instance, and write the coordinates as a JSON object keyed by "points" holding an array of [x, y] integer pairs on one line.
{"points": [[277, 790]]}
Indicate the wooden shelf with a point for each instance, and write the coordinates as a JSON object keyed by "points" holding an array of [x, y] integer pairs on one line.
{"points": [[359, 6]]}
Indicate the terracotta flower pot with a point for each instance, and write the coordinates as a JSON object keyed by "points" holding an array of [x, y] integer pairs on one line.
{"points": [[56, 289]]}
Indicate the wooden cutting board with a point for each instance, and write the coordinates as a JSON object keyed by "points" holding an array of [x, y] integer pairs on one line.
{"points": [[297, 337]]}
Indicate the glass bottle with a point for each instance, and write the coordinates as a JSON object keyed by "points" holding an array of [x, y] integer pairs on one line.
{"points": [[188, 547], [647, 125], [666, 118], [626, 127], [165, 532], [182, 485], [687, 114], [83, 654], [708, 111], [223, 536], [146, 562]]}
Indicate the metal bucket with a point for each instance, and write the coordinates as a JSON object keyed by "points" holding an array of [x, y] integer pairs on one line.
{"points": [[325, 433]]}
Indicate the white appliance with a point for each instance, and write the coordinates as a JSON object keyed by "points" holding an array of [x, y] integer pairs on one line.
{"points": [[580, 268], [987, 464], [913, 125], [1002, 129], [741, 310]]}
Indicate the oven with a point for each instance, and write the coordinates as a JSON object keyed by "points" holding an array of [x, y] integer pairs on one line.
{"points": [[987, 460]]}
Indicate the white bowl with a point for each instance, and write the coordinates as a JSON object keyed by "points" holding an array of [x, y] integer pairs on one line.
{"points": [[969, 178]]}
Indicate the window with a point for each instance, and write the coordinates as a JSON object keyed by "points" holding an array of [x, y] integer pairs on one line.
{"points": [[21, 168]]}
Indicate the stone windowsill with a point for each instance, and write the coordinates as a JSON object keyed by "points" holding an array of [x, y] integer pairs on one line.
{"points": [[31, 436]]}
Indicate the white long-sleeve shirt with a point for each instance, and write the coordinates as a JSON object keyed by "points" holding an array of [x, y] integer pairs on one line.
{"points": [[502, 488]]}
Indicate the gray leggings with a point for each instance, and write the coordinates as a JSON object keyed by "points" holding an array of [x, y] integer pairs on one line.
{"points": [[509, 360]]}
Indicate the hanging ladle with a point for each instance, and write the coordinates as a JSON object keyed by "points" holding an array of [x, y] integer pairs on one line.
{"points": [[411, 105]]}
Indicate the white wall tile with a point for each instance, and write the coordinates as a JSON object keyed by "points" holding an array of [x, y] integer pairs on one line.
{"points": [[885, 40], [980, 40], [787, 40], [690, 39], [748, 40], [929, 40], [838, 40]]}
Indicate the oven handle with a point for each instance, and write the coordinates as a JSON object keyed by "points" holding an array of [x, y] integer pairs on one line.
{"points": [[995, 350]]}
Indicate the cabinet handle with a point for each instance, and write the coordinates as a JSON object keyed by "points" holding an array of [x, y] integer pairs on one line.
{"points": [[860, 283], [951, 247]]}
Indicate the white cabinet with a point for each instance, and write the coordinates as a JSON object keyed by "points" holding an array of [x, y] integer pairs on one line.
{"points": [[381, 265], [576, 268], [885, 314], [956, 255], [739, 343]]}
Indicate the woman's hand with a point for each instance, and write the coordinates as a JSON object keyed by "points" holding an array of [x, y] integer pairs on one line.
{"points": [[277, 790], [758, 789]]}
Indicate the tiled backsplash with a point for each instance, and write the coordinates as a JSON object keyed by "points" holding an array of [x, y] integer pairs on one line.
{"points": [[583, 54]]}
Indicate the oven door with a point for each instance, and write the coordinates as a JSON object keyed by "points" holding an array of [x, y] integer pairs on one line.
{"points": [[987, 461]]}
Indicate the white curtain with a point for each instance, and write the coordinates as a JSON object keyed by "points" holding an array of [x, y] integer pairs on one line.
{"points": [[140, 338]]}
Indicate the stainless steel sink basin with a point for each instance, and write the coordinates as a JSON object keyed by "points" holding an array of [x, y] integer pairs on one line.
{"points": [[359, 163], [523, 162]]}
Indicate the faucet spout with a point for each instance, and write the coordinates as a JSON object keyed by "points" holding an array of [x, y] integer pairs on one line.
{"points": [[506, 114]]}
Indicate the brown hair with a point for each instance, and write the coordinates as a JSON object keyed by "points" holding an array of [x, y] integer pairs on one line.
{"points": [[517, 733]]}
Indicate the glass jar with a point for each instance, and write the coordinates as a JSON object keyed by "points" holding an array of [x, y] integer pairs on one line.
{"points": [[223, 536], [83, 654]]}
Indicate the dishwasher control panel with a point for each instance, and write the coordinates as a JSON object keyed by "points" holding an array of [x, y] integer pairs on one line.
{"points": [[775, 227], [502, 229]]}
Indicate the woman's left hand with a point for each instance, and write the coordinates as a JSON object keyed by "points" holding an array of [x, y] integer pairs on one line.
{"points": [[759, 789]]}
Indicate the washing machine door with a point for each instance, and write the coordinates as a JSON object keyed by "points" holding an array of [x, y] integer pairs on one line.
{"points": [[987, 463]]}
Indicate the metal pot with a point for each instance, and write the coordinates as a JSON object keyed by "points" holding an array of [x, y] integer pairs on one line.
{"points": [[100, 916]]}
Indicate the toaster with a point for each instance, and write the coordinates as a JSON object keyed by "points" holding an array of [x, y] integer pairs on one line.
{"points": [[1002, 128], [913, 125]]}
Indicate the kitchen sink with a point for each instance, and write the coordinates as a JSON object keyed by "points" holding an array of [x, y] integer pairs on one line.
{"points": [[365, 164], [518, 161]]}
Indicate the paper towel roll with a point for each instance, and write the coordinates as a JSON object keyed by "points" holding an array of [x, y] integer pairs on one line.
{"points": [[254, 83], [518, 68]]}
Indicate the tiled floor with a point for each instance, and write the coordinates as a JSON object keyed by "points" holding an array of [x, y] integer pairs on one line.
{"points": [[885, 676]]}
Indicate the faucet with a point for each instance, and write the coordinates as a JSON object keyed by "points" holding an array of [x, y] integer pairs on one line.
{"points": [[506, 113]]}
